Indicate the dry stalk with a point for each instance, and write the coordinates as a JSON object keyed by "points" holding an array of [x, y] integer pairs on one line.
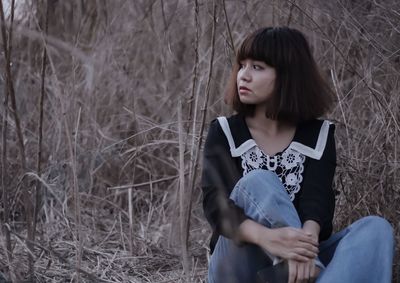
{"points": [[194, 85], [4, 196], [228, 27], [121, 231], [4, 174], [77, 200], [396, 160], [182, 194], [290, 13], [40, 127], [72, 153], [163, 16], [273, 12], [144, 184], [130, 213]]}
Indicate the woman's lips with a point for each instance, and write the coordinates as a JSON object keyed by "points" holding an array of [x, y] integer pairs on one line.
{"points": [[244, 90]]}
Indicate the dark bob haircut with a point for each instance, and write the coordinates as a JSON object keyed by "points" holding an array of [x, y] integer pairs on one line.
{"points": [[300, 93]]}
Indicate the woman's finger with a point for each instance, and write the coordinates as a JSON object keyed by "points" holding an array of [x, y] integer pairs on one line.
{"points": [[300, 272], [312, 274], [305, 253], [298, 258], [292, 271], [308, 247], [308, 239]]}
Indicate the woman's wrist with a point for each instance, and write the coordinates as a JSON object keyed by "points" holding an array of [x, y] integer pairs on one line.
{"points": [[312, 227], [250, 231]]}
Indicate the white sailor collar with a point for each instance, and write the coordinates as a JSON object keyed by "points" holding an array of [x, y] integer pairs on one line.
{"points": [[310, 137]]}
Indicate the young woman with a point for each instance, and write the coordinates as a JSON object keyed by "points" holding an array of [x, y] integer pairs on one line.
{"points": [[268, 172]]}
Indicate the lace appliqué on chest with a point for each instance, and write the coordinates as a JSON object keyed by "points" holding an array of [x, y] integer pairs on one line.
{"points": [[288, 165]]}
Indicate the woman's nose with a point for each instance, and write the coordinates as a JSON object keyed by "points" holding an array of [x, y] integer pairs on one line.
{"points": [[244, 74]]}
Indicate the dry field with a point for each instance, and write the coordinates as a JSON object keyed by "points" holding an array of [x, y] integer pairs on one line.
{"points": [[105, 106]]}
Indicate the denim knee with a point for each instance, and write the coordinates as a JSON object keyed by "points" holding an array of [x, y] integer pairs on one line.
{"points": [[263, 198], [259, 180], [378, 229]]}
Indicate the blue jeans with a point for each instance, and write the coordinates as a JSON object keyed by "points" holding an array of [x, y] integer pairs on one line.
{"points": [[363, 252]]}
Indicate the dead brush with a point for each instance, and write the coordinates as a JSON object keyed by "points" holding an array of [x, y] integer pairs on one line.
{"points": [[120, 160]]}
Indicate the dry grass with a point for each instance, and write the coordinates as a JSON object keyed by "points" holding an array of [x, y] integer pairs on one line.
{"points": [[116, 158]]}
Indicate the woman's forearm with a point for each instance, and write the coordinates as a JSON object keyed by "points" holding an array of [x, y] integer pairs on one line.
{"points": [[249, 231]]}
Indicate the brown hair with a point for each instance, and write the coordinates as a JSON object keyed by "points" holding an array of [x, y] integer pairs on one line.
{"points": [[300, 93]]}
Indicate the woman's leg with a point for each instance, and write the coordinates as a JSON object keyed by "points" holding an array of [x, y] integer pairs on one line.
{"points": [[263, 198], [363, 252]]}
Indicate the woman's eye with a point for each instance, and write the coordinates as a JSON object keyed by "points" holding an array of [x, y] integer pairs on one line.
{"points": [[257, 67]]}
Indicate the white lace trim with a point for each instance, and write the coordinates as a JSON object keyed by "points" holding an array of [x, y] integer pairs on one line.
{"points": [[288, 166]]}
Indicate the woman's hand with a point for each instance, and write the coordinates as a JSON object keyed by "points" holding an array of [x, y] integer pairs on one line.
{"points": [[303, 272], [286, 243], [289, 243]]}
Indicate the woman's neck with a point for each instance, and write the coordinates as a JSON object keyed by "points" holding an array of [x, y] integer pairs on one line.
{"points": [[271, 136], [260, 122]]}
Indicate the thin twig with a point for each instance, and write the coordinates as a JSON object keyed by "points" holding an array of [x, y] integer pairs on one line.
{"points": [[182, 194], [77, 200], [125, 187], [40, 127], [194, 85], [4, 166], [290, 14], [231, 43], [72, 153], [130, 213]]}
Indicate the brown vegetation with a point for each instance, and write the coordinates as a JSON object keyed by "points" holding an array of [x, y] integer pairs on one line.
{"points": [[104, 113]]}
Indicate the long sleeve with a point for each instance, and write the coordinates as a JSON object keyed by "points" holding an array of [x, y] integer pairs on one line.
{"points": [[317, 200], [219, 176]]}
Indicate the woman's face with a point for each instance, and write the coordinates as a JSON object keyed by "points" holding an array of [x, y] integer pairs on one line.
{"points": [[255, 82]]}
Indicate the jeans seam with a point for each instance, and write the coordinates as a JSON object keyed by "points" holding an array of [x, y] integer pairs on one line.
{"points": [[256, 205]]}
